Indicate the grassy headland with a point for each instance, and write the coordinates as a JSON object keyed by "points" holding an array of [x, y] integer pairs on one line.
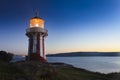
{"points": [[49, 71]]}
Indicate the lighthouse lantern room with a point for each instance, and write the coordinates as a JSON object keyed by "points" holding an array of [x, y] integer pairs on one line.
{"points": [[36, 22]]}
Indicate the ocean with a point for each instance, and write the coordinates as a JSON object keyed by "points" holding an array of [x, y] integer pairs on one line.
{"points": [[96, 64]]}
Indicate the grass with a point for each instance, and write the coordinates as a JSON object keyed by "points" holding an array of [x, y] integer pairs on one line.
{"points": [[9, 71], [41, 71]]}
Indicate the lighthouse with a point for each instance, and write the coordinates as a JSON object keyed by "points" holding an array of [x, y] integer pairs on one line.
{"points": [[36, 36]]}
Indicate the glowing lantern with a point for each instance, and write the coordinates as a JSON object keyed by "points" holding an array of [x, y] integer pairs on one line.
{"points": [[36, 22]]}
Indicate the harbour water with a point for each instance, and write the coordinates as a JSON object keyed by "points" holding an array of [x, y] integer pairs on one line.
{"points": [[96, 64]]}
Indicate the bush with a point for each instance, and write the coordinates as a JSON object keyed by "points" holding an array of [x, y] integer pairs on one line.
{"points": [[5, 56]]}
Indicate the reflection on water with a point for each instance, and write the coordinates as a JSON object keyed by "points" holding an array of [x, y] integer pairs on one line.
{"points": [[97, 64]]}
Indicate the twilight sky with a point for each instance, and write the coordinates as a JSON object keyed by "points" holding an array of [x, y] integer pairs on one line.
{"points": [[73, 25]]}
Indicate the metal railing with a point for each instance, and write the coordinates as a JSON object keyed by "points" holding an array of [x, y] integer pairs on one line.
{"points": [[36, 29]]}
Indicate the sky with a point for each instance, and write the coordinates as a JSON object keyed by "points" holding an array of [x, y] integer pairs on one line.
{"points": [[73, 25]]}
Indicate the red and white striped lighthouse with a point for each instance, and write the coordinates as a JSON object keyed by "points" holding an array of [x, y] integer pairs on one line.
{"points": [[36, 34]]}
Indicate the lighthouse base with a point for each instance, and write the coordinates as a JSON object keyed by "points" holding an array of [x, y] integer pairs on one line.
{"points": [[36, 57]]}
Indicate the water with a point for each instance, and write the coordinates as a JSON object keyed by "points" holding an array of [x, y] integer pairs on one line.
{"points": [[96, 64], [18, 58]]}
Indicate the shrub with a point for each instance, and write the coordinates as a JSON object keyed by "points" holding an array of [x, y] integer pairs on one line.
{"points": [[5, 56]]}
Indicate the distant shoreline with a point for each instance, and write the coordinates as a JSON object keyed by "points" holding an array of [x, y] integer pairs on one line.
{"points": [[83, 56], [86, 54]]}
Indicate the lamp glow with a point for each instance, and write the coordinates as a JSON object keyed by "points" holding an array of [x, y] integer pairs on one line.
{"points": [[36, 25], [36, 22]]}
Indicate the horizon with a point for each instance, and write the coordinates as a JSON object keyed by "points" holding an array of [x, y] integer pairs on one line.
{"points": [[67, 52], [73, 25]]}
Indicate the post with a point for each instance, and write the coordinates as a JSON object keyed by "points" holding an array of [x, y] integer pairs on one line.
{"points": [[38, 43], [43, 47]]}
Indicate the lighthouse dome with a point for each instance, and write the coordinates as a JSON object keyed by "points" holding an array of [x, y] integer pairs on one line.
{"points": [[36, 22]]}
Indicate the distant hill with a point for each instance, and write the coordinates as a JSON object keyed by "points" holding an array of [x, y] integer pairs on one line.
{"points": [[75, 54]]}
